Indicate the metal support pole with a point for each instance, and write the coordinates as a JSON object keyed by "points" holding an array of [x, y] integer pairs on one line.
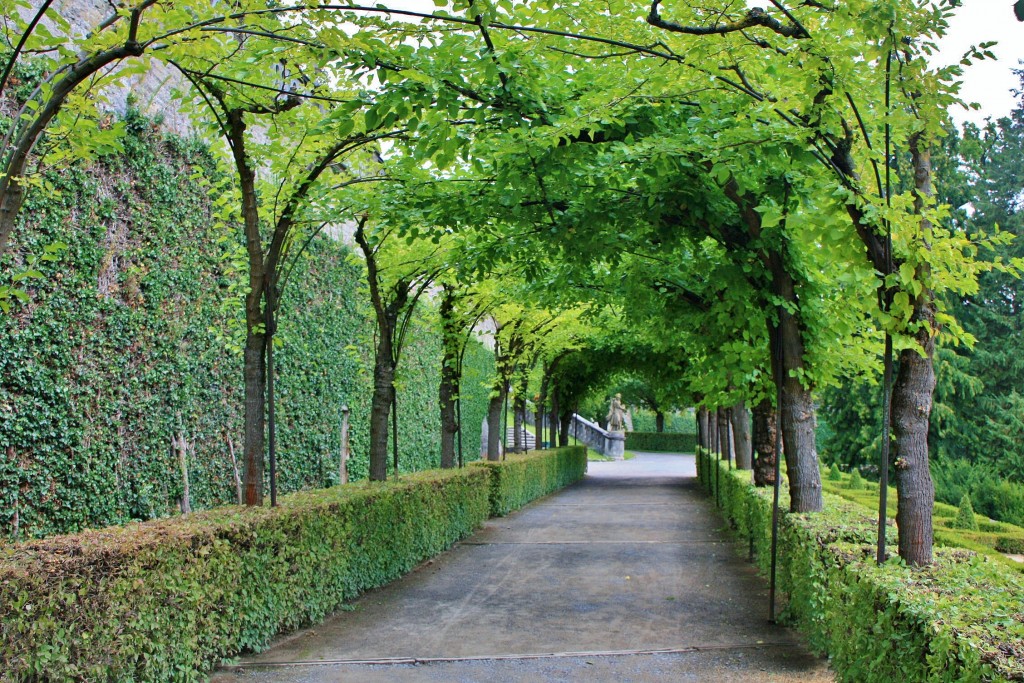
{"points": [[270, 324], [728, 436], [883, 465], [778, 473]]}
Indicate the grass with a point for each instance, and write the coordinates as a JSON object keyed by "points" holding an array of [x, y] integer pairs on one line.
{"points": [[983, 541]]}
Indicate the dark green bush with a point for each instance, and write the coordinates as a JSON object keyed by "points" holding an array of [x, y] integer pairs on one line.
{"points": [[519, 479], [948, 622], [965, 515], [665, 442], [166, 600], [1010, 544]]}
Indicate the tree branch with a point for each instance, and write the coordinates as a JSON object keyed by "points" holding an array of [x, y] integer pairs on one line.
{"points": [[755, 16]]}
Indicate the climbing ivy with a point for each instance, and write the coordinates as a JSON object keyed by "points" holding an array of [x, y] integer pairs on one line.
{"points": [[121, 346]]}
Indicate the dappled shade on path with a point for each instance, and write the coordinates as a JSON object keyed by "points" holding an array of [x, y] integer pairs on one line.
{"points": [[625, 576]]}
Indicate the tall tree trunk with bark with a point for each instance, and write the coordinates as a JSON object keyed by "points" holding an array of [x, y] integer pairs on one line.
{"points": [[741, 436], [703, 436], [255, 349], [384, 361], [912, 402], [553, 418], [713, 431], [448, 390], [724, 442], [519, 415], [764, 443], [380, 407], [254, 375], [798, 411], [494, 408], [542, 399]]}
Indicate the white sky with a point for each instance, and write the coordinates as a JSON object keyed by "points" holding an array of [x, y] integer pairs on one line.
{"points": [[989, 82]]}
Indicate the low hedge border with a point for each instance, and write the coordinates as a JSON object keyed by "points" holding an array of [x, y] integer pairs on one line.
{"points": [[961, 619], [661, 442], [169, 599], [519, 479]]}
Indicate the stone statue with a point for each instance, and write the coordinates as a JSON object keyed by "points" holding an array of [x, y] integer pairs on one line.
{"points": [[616, 415]]}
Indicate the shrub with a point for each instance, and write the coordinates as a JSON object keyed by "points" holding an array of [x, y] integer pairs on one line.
{"points": [[834, 474], [663, 442], [166, 600], [1013, 545], [856, 482], [947, 622], [519, 479], [965, 515]]}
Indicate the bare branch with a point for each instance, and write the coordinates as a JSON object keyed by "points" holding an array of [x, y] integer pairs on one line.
{"points": [[755, 16]]}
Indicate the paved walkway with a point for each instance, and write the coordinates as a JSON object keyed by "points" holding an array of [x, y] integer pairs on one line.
{"points": [[626, 576]]}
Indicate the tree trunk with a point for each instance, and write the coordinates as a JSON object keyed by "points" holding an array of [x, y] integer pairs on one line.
{"points": [[518, 411], [798, 416], [722, 419], [764, 443], [713, 431], [255, 377], [494, 437], [911, 407], [553, 416], [659, 421], [380, 407], [741, 436], [798, 432], [912, 404], [449, 387], [447, 393], [542, 399], [703, 437]]}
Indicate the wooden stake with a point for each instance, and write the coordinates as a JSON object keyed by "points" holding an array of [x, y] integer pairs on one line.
{"points": [[345, 452], [234, 468], [180, 444]]}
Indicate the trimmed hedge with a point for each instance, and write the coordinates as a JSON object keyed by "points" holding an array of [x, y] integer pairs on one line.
{"points": [[957, 620], [519, 479], [167, 600], [665, 442]]}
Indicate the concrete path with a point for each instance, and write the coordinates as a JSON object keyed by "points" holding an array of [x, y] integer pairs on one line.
{"points": [[626, 576]]}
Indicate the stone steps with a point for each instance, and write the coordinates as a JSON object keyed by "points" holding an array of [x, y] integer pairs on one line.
{"points": [[529, 441]]}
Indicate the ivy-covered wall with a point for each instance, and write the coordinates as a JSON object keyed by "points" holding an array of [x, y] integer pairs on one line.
{"points": [[127, 342], [475, 390]]}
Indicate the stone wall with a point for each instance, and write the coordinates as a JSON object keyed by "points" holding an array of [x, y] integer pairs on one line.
{"points": [[152, 91]]}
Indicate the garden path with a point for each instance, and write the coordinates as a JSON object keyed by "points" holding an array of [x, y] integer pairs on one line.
{"points": [[625, 576]]}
